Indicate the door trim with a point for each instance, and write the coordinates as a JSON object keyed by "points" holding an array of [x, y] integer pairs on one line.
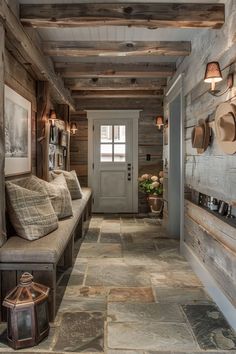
{"points": [[176, 89], [93, 115]]}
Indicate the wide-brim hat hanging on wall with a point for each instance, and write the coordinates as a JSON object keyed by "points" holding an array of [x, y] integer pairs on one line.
{"points": [[225, 127], [201, 135]]}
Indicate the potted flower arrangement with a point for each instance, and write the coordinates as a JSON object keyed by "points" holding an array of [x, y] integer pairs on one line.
{"points": [[152, 186]]}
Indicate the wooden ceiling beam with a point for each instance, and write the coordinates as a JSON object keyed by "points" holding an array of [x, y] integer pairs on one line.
{"points": [[32, 54], [115, 84], [149, 15], [149, 104], [118, 94], [115, 49], [108, 70]]}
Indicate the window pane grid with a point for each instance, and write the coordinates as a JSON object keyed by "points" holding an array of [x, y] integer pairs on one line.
{"points": [[112, 143]]}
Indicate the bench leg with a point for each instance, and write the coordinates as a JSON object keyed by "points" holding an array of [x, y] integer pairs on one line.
{"points": [[69, 253]]}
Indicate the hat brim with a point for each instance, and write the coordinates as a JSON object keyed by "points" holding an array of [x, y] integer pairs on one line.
{"points": [[207, 136], [229, 147]]}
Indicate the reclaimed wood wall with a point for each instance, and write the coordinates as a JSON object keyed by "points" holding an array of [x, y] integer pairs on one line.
{"points": [[213, 172], [149, 141]]}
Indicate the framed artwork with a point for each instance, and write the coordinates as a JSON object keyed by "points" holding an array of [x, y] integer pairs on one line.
{"points": [[53, 135], [51, 156], [60, 160], [17, 133], [63, 138]]}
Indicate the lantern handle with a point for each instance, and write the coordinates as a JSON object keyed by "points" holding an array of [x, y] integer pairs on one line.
{"points": [[26, 279]]}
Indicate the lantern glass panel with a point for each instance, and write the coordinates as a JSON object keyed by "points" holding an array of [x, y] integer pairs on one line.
{"points": [[24, 324], [42, 316], [9, 327]]}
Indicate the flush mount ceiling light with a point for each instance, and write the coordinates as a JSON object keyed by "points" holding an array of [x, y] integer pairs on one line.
{"points": [[213, 75], [159, 122]]}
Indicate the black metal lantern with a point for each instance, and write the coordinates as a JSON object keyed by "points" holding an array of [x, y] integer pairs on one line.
{"points": [[27, 313]]}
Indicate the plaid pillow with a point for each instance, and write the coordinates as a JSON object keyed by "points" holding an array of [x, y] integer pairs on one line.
{"points": [[30, 212], [72, 182], [59, 195]]}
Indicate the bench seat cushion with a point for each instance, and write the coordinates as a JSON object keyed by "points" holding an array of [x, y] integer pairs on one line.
{"points": [[47, 249]]}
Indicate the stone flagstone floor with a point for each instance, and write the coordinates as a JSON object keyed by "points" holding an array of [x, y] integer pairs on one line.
{"points": [[130, 292]]}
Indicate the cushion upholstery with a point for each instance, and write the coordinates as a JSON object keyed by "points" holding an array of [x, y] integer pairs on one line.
{"points": [[72, 182], [59, 195], [31, 213], [47, 249]]}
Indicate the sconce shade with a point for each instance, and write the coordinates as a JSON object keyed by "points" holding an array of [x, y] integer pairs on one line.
{"points": [[213, 72], [52, 114], [159, 121], [73, 128]]}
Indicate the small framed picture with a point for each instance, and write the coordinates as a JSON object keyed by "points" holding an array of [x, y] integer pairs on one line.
{"points": [[53, 137], [60, 160], [63, 138]]}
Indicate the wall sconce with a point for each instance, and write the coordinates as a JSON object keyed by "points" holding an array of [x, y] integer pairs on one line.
{"points": [[213, 75], [159, 122], [73, 128], [52, 117]]}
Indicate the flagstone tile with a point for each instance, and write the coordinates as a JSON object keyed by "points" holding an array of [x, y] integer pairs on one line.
{"points": [[131, 295], [110, 238], [180, 295], [71, 280], [151, 312], [81, 331], [91, 250], [69, 304], [150, 336], [175, 279], [210, 327], [92, 235], [117, 275]]}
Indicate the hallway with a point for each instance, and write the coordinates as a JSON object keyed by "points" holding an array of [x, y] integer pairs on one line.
{"points": [[131, 292]]}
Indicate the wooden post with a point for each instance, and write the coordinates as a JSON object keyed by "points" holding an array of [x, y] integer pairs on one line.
{"points": [[42, 131], [2, 138]]}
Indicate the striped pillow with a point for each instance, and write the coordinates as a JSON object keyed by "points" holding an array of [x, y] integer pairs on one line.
{"points": [[72, 182], [59, 195], [30, 212]]}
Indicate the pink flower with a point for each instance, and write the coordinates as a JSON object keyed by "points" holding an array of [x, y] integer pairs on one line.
{"points": [[154, 178]]}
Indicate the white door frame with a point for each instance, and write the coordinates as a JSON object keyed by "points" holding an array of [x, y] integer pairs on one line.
{"points": [[175, 90], [93, 115]]}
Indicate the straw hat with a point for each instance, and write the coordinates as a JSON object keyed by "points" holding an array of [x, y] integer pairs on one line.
{"points": [[225, 127], [201, 136]]}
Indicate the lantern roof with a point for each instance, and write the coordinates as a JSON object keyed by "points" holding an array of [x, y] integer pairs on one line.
{"points": [[26, 293]]}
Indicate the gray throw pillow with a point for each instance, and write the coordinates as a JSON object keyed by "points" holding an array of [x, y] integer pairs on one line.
{"points": [[72, 182], [31, 213], [59, 195]]}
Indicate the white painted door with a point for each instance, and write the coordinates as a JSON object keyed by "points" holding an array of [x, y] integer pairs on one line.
{"points": [[113, 174]]}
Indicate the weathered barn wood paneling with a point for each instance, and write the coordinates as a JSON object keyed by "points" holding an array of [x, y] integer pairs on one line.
{"points": [[2, 137], [79, 147], [217, 258], [213, 173], [149, 143]]}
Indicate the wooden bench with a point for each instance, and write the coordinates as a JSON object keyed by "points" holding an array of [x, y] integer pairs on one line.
{"points": [[42, 257]]}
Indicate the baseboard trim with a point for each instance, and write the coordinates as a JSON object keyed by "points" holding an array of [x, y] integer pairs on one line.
{"points": [[211, 286]]}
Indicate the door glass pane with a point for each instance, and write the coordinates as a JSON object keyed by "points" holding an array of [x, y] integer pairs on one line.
{"points": [[106, 133], [119, 134], [119, 153], [106, 152]]}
